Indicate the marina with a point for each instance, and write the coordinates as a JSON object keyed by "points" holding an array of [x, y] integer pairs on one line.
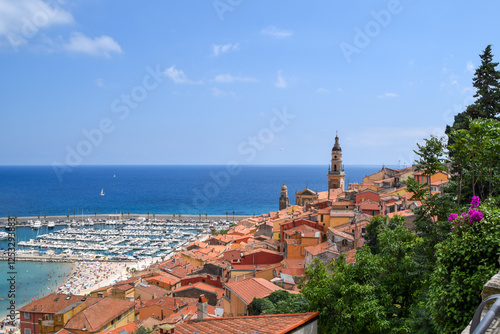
{"points": [[107, 240]]}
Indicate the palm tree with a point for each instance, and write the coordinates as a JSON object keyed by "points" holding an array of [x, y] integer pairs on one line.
{"points": [[154, 216], [233, 216], [173, 214], [129, 215], [226, 215], [67, 215], [148, 215], [95, 214], [199, 219], [206, 216], [74, 214]]}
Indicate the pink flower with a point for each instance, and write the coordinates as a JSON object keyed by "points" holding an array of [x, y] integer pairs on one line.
{"points": [[452, 217], [475, 215], [474, 203]]}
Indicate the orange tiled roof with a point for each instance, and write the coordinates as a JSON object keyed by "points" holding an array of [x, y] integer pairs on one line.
{"points": [[151, 289], [189, 313], [320, 248], [204, 287], [351, 256], [293, 263], [168, 302], [96, 316], [252, 288], [125, 287], [147, 323], [341, 234], [293, 271], [164, 279], [129, 328], [269, 324], [53, 303]]}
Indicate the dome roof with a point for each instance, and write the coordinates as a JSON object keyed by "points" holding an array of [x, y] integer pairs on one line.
{"points": [[336, 147]]}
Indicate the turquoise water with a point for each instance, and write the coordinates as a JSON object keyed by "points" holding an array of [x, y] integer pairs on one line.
{"points": [[33, 280]]}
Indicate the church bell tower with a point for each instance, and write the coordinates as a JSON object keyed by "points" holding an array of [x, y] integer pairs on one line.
{"points": [[284, 203], [336, 170]]}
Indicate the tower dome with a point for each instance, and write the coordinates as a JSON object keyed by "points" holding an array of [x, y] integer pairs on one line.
{"points": [[336, 146]]}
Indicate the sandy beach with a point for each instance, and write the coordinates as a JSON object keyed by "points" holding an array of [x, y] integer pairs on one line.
{"points": [[88, 275]]}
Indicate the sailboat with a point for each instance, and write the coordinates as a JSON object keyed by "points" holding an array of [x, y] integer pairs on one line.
{"points": [[102, 192]]}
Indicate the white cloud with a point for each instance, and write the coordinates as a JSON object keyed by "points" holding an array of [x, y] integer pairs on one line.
{"points": [[228, 78], [22, 20], [178, 76], [221, 93], [218, 49], [280, 81], [97, 47], [469, 67], [387, 95], [275, 32], [322, 90]]}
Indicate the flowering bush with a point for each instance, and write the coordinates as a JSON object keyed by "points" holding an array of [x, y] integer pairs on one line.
{"points": [[460, 222]]}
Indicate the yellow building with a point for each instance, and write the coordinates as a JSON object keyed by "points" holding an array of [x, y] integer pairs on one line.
{"points": [[91, 315]]}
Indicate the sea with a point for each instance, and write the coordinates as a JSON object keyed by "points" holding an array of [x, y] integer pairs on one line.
{"points": [[88, 190], [215, 190]]}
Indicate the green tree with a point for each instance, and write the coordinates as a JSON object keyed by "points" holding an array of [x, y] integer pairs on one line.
{"points": [[477, 159], [465, 262], [348, 297], [280, 302], [486, 81], [377, 224]]}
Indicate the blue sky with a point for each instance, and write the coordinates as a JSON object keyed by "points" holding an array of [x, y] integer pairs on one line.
{"points": [[252, 82]]}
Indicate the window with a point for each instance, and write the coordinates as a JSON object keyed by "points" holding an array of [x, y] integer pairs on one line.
{"points": [[27, 315], [27, 331], [59, 319]]}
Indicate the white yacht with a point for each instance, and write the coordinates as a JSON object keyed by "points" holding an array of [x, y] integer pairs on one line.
{"points": [[4, 235], [37, 224], [51, 224]]}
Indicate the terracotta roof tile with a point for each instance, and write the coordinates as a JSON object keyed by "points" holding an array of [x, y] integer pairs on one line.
{"points": [[168, 302], [129, 328], [269, 324], [52, 303], [204, 287], [320, 248], [96, 316], [164, 279], [341, 234], [252, 288], [147, 323], [151, 289]]}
